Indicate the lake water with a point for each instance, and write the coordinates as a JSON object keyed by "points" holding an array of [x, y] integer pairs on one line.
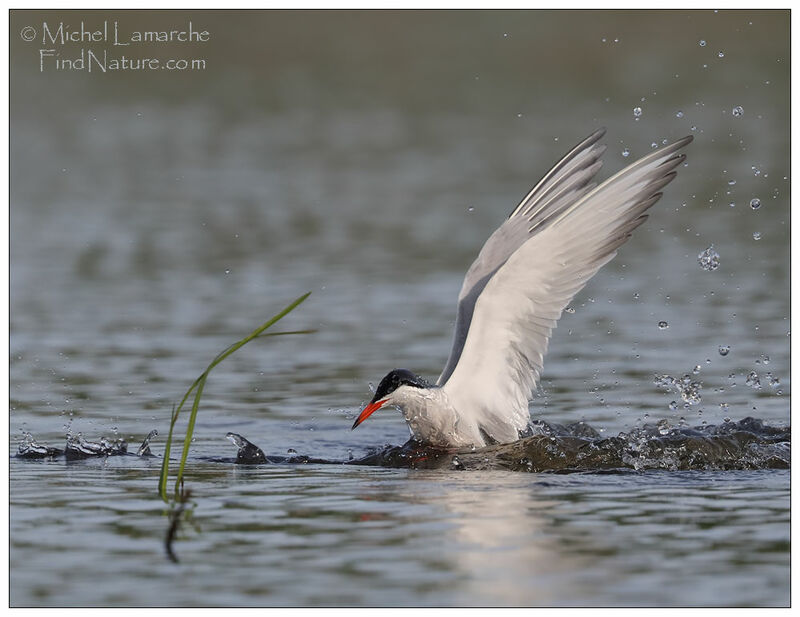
{"points": [[365, 157]]}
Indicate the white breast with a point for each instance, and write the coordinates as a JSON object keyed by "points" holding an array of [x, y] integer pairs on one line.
{"points": [[432, 418]]}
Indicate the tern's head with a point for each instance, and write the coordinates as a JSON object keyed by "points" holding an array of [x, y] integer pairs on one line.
{"points": [[390, 390]]}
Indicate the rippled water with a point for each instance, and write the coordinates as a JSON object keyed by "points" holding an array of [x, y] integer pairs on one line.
{"points": [[154, 221]]}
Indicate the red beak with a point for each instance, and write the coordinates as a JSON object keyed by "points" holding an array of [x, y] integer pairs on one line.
{"points": [[368, 411]]}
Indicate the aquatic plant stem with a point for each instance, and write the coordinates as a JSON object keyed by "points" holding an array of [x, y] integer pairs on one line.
{"points": [[199, 385]]}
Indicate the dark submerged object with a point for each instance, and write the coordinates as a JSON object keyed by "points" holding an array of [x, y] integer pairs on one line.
{"points": [[78, 448], [745, 445], [30, 449], [248, 454]]}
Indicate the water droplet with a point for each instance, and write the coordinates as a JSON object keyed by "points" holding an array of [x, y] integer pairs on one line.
{"points": [[227, 271], [732, 204], [724, 350], [731, 182], [637, 111], [721, 54], [753, 381], [723, 407], [663, 325], [673, 406], [471, 209], [755, 203], [702, 43], [737, 111], [679, 114], [708, 259], [756, 235], [696, 369], [569, 309], [519, 115], [626, 153], [765, 358]]}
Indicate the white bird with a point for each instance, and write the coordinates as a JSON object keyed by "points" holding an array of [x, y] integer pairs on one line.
{"points": [[561, 233]]}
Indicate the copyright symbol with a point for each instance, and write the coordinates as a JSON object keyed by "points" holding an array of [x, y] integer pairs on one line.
{"points": [[28, 33]]}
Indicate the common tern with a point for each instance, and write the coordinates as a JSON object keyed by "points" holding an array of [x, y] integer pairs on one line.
{"points": [[561, 233]]}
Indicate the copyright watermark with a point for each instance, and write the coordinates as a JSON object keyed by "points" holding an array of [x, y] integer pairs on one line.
{"points": [[109, 46], [28, 33]]}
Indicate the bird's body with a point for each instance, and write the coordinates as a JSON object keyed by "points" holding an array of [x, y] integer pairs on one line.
{"points": [[555, 240]]}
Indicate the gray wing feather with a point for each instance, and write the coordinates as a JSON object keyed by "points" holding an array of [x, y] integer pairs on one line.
{"points": [[566, 183], [500, 362]]}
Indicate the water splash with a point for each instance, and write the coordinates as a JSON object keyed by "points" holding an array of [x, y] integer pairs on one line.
{"points": [[30, 449], [78, 448], [753, 380], [747, 444], [685, 386], [144, 449]]}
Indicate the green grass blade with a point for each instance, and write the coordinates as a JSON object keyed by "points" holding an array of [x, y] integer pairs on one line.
{"points": [[199, 385], [187, 441], [162, 481], [312, 331]]}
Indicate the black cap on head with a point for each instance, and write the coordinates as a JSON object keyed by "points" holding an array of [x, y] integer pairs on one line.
{"points": [[396, 378]]}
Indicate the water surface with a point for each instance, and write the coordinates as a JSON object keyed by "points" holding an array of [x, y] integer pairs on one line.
{"points": [[366, 157]]}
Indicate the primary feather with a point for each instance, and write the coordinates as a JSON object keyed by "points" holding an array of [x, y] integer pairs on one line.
{"points": [[575, 229]]}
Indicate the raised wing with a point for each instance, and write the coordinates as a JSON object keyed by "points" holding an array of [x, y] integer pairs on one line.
{"points": [[568, 181], [513, 317]]}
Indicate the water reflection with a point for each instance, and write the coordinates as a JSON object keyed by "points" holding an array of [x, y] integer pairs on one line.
{"points": [[499, 541]]}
